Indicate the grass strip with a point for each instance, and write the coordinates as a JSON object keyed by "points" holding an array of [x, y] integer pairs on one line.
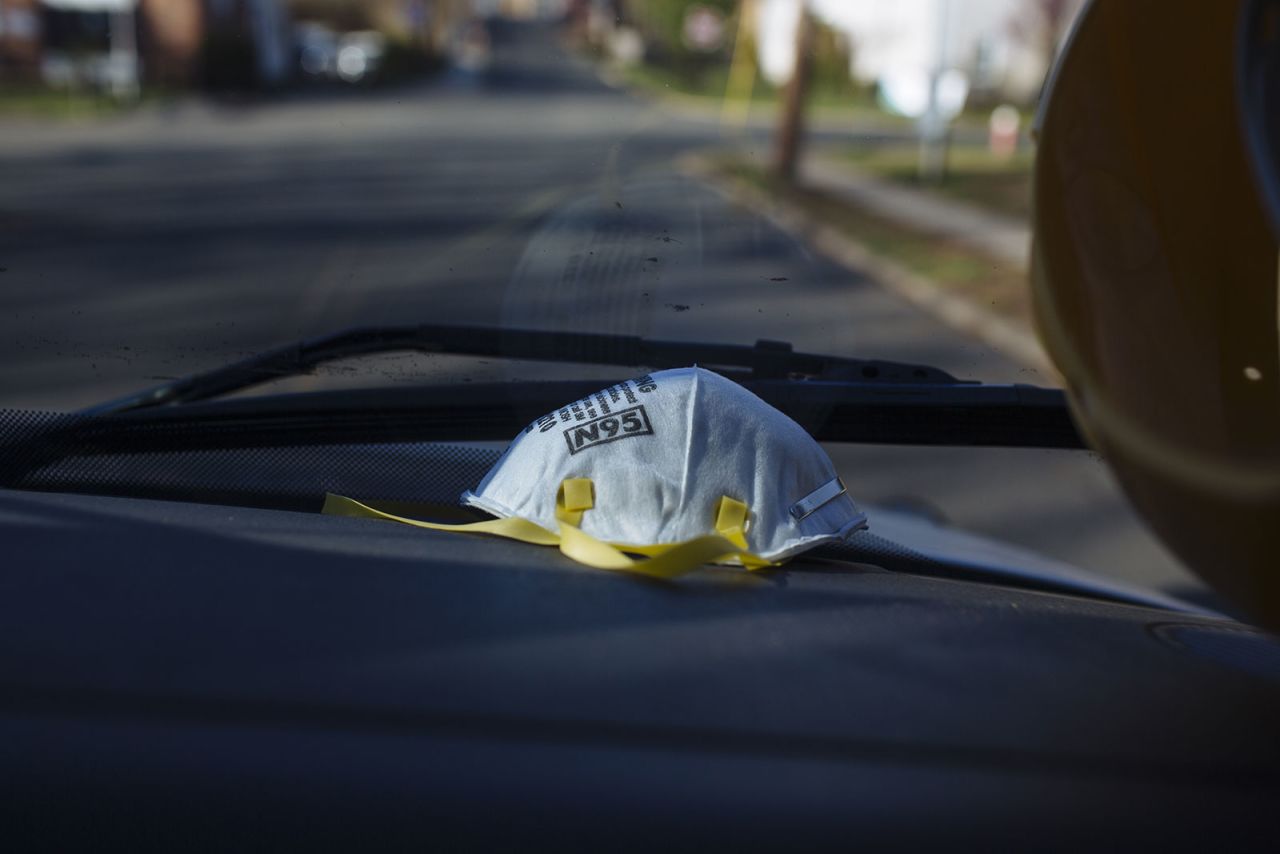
{"points": [[950, 264]]}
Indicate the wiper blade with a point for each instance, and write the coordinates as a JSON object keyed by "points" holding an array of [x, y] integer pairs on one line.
{"points": [[964, 415], [765, 360], [956, 415], [836, 399]]}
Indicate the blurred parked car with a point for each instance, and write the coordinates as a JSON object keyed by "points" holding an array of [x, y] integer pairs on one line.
{"points": [[348, 57]]}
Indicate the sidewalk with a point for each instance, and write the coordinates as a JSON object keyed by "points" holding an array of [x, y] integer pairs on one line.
{"points": [[918, 212], [1001, 237]]}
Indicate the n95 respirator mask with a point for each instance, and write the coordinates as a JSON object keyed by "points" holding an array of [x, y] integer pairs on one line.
{"points": [[659, 475]]}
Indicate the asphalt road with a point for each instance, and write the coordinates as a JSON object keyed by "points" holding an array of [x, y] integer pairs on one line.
{"points": [[171, 241]]}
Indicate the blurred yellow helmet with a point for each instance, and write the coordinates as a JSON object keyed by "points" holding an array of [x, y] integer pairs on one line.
{"points": [[1155, 272]]}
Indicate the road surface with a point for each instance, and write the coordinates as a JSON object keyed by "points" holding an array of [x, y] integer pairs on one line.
{"points": [[172, 241]]}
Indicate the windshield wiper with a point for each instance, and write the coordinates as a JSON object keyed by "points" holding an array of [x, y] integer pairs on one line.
{"points": [[836, 399], [765, 360]]}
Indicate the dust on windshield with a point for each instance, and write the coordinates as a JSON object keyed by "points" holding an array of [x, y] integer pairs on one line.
{"points": [[184, 183]]}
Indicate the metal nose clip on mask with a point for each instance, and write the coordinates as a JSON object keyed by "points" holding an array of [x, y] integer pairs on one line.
{"points": [[659, 475]]}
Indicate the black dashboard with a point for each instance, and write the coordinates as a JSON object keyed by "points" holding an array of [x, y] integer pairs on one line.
{"points": [[195, 676]]}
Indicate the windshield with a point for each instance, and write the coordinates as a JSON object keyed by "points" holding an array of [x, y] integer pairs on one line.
{"points": [[184, 183]]}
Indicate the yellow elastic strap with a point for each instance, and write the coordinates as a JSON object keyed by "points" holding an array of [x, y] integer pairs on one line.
{"points": [[576, 495], [513, 528], [675, 560], [731, 521]]}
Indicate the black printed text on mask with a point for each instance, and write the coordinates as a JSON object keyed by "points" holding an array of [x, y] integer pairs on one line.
{"points": [[608, 428]]}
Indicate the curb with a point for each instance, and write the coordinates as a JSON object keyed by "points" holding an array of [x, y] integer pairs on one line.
{"points": [[1008, 337]]}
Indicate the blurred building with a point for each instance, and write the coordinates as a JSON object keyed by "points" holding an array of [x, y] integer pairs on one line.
{"points": [[19, 39], [172, 35], [118, 44]]}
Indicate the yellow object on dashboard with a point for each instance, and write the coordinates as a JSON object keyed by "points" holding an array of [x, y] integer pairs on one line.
{"points": [[575, 496], [648, 466], [1155, 277]]}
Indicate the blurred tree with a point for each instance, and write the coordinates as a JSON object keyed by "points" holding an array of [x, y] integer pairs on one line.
{"points": [[789, 136], [1041, 25], [414, 27], [661, 23], [831, 51], [341, 15], [743, 68], [400, 19]]}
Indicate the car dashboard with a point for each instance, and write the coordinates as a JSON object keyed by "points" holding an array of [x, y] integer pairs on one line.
{"points": [[199, 675]]}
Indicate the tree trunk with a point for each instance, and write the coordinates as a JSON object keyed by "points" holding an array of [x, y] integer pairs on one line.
{"points": [[790, 133]]}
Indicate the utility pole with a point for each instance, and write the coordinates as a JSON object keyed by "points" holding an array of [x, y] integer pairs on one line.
{"points": [[788, 140], [736, 109], [934, 133]]}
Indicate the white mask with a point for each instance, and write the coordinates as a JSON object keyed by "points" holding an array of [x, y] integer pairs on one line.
{"points": [[682, 465]]}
